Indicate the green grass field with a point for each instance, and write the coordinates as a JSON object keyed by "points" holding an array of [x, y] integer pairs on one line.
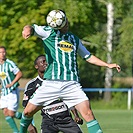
{"points": [[111, 121]]}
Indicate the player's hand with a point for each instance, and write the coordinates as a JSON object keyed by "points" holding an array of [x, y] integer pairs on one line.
{"points": [[27, 31], [32, 129], [118, 68], [78, 120], [9, 85]]}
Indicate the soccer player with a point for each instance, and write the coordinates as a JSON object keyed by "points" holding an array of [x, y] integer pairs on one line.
{"points": [[9, 76], [56, 116], [62, 78]]}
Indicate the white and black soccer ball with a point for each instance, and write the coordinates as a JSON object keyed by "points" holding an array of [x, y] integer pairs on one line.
{"points": [[56, 19]]}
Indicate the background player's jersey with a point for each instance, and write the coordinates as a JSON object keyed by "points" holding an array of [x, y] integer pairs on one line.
{"points": [[30, 88], [8, 71], [56, 117], [61, 53], [57, 111]]}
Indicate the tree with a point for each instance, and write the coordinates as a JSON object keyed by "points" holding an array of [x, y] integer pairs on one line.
{"points": [[108, 74], [16, 14]]}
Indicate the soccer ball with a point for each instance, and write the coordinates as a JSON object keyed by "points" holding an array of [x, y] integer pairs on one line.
{"points": [[56, 19]]}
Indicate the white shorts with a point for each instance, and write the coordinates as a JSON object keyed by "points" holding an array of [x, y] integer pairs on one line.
{"points": [[69, 91], [11, 101]]}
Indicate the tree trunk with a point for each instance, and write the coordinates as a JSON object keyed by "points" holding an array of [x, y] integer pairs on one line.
{"points": [[108, 74]]}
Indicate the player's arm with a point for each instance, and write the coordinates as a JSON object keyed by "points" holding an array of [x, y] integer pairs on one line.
{"points": [[26, 98], [35, 30], [29, 90], [16, 79], [96, 61], [77, 119], [93, 59]]}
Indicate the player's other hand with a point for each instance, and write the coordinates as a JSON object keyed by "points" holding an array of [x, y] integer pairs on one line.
{"points": [[78, 120]]}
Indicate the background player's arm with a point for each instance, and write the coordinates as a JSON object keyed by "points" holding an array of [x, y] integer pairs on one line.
{"points": [[16, 79], [77, 119], [26, 98], [29, 90]]}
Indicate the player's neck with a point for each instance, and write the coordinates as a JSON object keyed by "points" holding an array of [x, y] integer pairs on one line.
{"points": [[41, 75], [1, 61]]}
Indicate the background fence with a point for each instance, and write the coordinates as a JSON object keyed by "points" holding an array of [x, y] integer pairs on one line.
{"points": [[100, 90]]}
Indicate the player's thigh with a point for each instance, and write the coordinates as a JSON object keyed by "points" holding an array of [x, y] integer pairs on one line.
{"points": [[83, 107], [31, 109], [13, 100], [85, 110], [4, 102], [72, 94]]}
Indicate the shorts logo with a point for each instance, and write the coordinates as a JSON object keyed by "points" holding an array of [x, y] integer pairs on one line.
{"points": [[65, 46], [55, 108]]}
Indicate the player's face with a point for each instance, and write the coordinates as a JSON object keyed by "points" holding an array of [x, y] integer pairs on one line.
{"points": [[2, 54], [65, 28], [42, 64]]}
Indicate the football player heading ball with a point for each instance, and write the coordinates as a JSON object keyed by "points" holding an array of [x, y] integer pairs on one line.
{"points": [[62, 77]]}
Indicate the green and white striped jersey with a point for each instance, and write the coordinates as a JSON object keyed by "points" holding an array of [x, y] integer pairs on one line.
{"points": [[8, 70], [61, 53]]}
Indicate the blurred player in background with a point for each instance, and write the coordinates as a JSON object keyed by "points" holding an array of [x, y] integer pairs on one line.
{"points": [[62, 76], [9, 75], [56, 116]]}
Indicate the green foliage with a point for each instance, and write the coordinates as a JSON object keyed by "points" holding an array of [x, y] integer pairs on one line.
{"points": [[23, 52], [119, 100], [89, 76], [124, 48], [117, 84]]}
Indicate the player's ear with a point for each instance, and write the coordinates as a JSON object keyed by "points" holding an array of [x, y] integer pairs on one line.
{"points": [[36, 66]]}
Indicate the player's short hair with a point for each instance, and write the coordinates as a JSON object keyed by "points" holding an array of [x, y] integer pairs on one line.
{"points": [[62, 11], [3, 47], [35, 62]]}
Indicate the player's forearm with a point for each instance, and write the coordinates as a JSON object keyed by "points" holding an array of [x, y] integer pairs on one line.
{"points": [[16, 79], [18, 76], [96, 61]]}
